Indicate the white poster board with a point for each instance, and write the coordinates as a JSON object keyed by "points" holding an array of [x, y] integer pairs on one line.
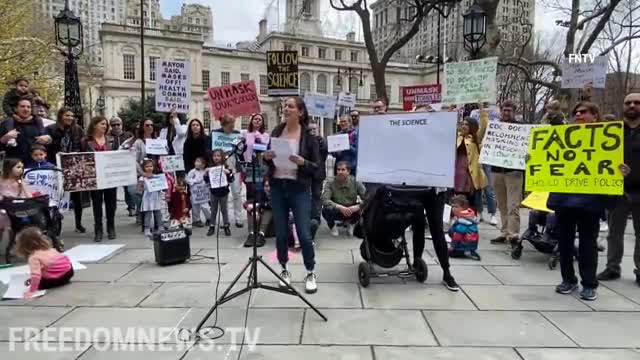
{"points": [[217, 177], [173, 86], [225, 142], [97, 170], [18, 285], [45, 182], [320, 105], [470, 81], [338, 142], [91, 253], [171, 163], [156, 146], [407, 149], [346, 99], [506, 145], [577, 75], [283, 148], [156, 183]]}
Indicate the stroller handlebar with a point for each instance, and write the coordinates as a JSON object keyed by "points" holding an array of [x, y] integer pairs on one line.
{"points": [[55, 169]]}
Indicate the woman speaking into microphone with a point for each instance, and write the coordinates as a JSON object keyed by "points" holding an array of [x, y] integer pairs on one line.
{"points": [[291, 188]]}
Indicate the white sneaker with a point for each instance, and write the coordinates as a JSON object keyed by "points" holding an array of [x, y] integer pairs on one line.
{"points": [[494, 220], [350, 228], [286, 276], [335, 232], [310, 285], [147, 233]]}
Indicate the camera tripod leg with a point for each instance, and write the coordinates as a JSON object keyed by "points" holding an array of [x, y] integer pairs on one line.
{"points": [[291, 289]]}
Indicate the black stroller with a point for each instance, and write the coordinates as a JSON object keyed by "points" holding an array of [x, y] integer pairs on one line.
{"points": [[386, 214], [543, 240]]}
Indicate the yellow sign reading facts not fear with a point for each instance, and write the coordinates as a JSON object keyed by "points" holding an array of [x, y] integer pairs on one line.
{"points": [[576, 159]]}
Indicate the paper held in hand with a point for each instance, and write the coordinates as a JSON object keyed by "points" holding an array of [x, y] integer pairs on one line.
{"points": [[283, 149], [18, 285], [217, 177], [171, 163], [156, 146], [156, 183], [338, 142]]}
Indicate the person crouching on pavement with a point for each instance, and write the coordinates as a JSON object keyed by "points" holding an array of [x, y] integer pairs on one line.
{"points": [[340, 199]]}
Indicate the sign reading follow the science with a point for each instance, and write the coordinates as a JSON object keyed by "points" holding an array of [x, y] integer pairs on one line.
{"points": [[173, 86], [282, 73]]}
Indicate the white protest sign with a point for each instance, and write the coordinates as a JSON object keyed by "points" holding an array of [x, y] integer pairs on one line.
{"points": [[217, 177], [415, 149], [171, 163], [45, 182], [97, 170], [199, 194], [156, 183], [347, 99], [18, 285], [225, 142], [506, 145], [338, 142], [470, 81], [320, 105], [173, 86], [575, 75], [156, 146]]}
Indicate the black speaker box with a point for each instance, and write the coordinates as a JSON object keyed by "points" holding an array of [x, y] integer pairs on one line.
{"points": [[172, 246]]}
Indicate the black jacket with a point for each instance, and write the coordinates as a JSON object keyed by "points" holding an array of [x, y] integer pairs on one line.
{"points": [[10, 101], [308, 149], [321, 173], [194, 148], [58, 142], [28, 132], [632, 158], [120, 139]]}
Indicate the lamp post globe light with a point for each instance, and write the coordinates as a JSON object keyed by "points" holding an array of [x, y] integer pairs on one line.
{"points": [[69, 34], [474, 29]]}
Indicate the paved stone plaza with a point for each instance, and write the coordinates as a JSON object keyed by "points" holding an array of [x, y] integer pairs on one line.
{"points": [[507, 310]]}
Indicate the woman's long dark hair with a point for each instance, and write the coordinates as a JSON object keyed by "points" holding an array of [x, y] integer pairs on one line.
{"points": [[190, 132], [61, 112], [302, 107], [263, 126], [7, 167], [473, 129], [91, 129], [140, 131]]}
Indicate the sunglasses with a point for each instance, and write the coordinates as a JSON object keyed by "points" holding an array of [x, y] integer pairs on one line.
{"points": [[148, 125], [116, 125], [582, 111]]}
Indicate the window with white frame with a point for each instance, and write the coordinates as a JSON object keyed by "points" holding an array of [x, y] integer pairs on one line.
{"points": [[372, 92], [205, 80], [263, 85], [305, 82], [152, 67], [225, 78], [321, 86], [244, 77], [129, 66]]}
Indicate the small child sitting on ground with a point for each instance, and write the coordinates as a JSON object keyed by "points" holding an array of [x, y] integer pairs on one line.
{"points": [[464, 229], [48, 267]]}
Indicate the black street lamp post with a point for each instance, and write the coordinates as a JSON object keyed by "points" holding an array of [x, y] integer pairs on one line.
{"points": [[69, 34], [351, 73], [474, 29], [100, 104]]}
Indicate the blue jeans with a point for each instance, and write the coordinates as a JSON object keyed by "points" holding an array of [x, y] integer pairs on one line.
{"points": [[489, 194], [288, 195]]}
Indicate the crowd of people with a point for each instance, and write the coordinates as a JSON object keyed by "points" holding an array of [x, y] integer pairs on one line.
{"points": [[290, 201]]}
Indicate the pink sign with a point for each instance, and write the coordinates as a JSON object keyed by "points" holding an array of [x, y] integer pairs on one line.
{"points": [[237, 99]]}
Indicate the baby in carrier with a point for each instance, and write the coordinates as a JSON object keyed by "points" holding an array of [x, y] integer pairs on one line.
{"points": [[464, 230]]}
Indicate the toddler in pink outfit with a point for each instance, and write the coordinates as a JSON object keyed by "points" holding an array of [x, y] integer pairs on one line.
{"points": [[48, 267]]}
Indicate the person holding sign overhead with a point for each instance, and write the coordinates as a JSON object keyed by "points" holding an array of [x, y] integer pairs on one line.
{"points": [[581, 212], [98, 140], [175, 133], [228, 123], [293, 160]]}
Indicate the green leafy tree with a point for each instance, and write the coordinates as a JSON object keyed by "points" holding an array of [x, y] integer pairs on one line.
{"points": [[131, 113]]}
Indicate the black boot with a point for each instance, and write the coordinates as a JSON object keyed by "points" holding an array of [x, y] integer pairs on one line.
{"points": [[260, 240], [227, 230], [111, 232], [212, 230], [98, 234], [250, 241]]}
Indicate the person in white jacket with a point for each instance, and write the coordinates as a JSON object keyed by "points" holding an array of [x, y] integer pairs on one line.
{"points": [[175, 133]]}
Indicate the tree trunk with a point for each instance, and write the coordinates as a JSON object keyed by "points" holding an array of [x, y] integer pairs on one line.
{"points": [[379, 79]]}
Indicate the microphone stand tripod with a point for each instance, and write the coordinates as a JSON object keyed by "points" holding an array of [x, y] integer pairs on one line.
{"points": [[252, 266]]}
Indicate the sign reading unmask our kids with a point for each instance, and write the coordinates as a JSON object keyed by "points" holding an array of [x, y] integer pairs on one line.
{"points": [[282, 73], [173, 86], [577, 158], [237, 99]]}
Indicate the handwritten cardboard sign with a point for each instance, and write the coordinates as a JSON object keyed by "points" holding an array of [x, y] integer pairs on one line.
{"points": [[577, 75], [199, 193], [173, 86], [282, 73], [225, 142], [171, 163], [346, 99], [576, 159], [320, 105], [506, 145], [237, 99], [338, 142], [156, 146], [156, 183], [470, 81]]}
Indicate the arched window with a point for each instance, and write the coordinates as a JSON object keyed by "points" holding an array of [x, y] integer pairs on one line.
{"points": [[337, 85], [305, 83], [321, 84]]}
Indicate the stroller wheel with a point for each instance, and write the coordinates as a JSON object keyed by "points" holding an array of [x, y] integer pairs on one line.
{"points": [[421, 270], [553, 262], [364, 275], [516, 253]]}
